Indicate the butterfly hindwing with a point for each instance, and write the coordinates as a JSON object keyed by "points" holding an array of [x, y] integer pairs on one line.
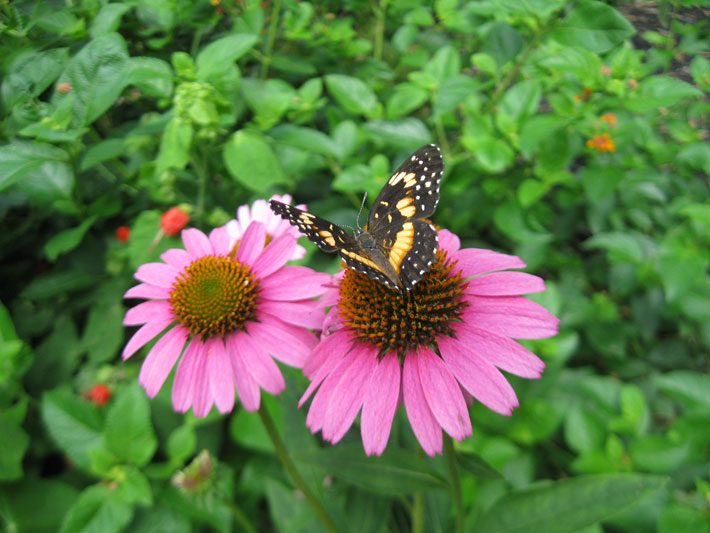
{"points": [[327, 236], [417, 261]]}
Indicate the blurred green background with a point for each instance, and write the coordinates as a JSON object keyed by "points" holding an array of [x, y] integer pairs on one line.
{"points": [[574, 135]]}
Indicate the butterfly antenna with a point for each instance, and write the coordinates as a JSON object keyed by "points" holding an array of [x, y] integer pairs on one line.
{"points": [[361, 206]]}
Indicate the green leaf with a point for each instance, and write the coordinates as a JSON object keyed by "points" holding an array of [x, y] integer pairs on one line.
{"points": [[98, 510], [443, 65], [661, 91], [502, 42], [104, 333], [622, 247], [659, 455], [65, 241], [252, 162], [518, 103], [129, 432], [73, 423], [152, 76], [477, 465], [102, 151], [307, 139], [221, 54], [352, 94], [584, 431], [182, 443], [97, 75], [537, 129], [593, 25], [175, 145], [134, 487], [15, 443], [690, 388], [493, 155], [20, 504], [396, 473], [30, 73], [406, 134], [567, 505], [268, 99], [406, 98], [108, 19]]}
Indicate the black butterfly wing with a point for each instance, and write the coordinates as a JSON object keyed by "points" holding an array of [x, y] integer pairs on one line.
{"points": [[327, 236], [410, 194]]}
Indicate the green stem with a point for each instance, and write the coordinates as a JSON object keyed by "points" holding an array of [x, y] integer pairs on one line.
{"points": [[271, 38], [240, 518], [378, 46], [453, 465], [418, 513], [199, 164], [441, 135], [293, 472]]}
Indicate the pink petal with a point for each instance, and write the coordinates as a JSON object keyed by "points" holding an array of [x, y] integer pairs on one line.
{"points": [[502, 352], [274, 255], [449, 241], [176, 258], [244, 216], [260, 211], [480, 378], [443, 394], [293, 283], [247, 388], [328, 366], [219, 238], [144, 335], [380, 405], [262, 367], [475, 261], [251, 243], [337, 343], [161, 360], [349, 394], [196, 243], [158, 274], [279, 341], [148, 311], [219, 370], [145, 290], [185, 377], [319, 405], [424, 425], [505, 284], [201, 395], [305, 315], [511, 316]]}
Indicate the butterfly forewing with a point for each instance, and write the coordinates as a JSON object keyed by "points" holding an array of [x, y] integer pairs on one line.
{"points": [[327, 236]]}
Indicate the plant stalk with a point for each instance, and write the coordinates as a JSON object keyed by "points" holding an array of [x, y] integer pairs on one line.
{"points": [[271, 38], [455, 479]]}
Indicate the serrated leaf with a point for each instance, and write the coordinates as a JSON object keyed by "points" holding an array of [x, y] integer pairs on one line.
{"points": [[593, 25], [128, 432], [98, 510], [252, 162], [65, 241], [221, 54], [352, 94]]}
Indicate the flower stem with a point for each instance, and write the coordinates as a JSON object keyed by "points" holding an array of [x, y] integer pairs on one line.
{"points": [[199, 165], [240, 518], [378, 45], [455, 481], [271, 38], [281, 451], [418, 513]]}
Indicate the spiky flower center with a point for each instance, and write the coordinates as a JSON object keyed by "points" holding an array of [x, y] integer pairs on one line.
{"points": [[401, 321], [214, 296]]}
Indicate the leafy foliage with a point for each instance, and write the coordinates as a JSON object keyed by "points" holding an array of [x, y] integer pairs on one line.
{"points": [[573, 136]]}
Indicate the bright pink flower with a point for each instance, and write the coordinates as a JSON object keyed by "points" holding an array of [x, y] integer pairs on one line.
{"points": [[275, 225], [228, 312], [447, 341]]}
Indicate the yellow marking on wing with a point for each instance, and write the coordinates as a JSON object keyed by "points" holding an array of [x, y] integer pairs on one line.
{"points": [[328, 237], [306, 217], [389, 218], [405, 207], [410, 180], [403, 242], [394, 180], [361, 259]]}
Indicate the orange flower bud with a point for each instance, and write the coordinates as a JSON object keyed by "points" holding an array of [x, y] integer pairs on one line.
{"points": [[123, 233], [99, 394], [173, 221]]}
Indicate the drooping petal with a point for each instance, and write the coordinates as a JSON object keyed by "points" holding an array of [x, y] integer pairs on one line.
{"points": [[144, 290], [219, 238], [144, 335], [201, 396], [185, 377], [161, 360], [244, 216], [511, 316], [337, 343], [293, 283], [423, 422], [319, 405], [177, 258], [475, 261], [251, 243], [219, 370], [380, 405], [443, 394], [305, 315], [502, 352], [478, 377], [274, 255], [449, 241], [262, 367], [279, 341], [505, 284], [196, 243], [346, 401], [148, 311], [247, 388], [158, 274]]}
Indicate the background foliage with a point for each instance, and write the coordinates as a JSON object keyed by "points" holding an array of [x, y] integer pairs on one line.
{"points": [[571, 137]]}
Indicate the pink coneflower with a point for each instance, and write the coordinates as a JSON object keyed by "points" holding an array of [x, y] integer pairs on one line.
{"points": [[275, 225], [227, 311], [447, 338]]}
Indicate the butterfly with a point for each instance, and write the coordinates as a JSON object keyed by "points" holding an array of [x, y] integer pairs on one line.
{"points": [[398, 245]]}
